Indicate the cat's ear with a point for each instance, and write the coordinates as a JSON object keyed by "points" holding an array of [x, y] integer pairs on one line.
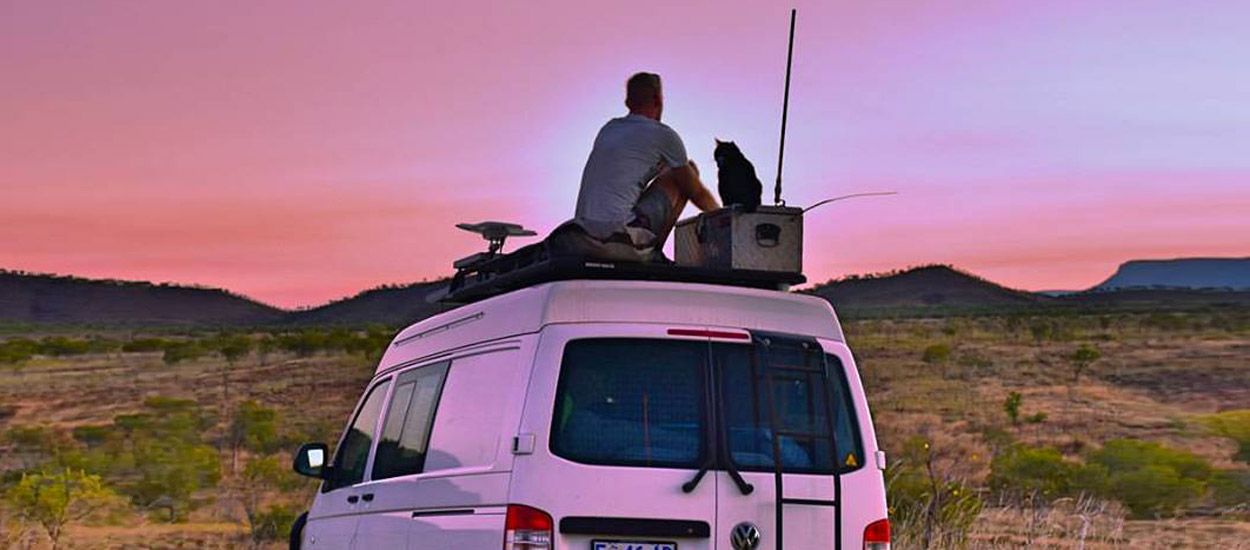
{"points": [[717, 140]]}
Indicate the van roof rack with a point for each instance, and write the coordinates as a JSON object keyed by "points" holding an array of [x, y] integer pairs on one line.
{"points": [[536, 264]]}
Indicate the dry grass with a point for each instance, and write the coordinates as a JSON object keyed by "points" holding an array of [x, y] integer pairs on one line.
{"points": [[1150, 384]]}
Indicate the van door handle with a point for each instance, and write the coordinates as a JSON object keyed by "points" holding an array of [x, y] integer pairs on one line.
{"points": [[367, 497], [352, 499]]}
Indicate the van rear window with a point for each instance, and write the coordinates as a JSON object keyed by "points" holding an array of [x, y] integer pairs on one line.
{"points": [[802, 411], [643, 402], [631, 402]]}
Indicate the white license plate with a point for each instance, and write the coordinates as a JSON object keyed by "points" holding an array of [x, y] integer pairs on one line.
{"points": [[631, 545]]}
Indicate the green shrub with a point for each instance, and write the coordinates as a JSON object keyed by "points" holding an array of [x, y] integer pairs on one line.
{"points": [[1011, 406], [103, 345], [142, 345], [936, 353], [1154, 490], [59, 346], [156, 457], [1231, 488], [1081, 359], [1126, 455], [1234, 425], [255, 428], [233, 348], [1150, 479], [52, 500], [17, 350], [92, 436], [303, 344], [177, 352], [1024, 471]]}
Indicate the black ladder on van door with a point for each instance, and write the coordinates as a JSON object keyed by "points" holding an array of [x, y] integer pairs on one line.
{"points": [[814, 370]]}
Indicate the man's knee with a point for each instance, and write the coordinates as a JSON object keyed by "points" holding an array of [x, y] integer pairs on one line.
{"points": [[683, 182]]}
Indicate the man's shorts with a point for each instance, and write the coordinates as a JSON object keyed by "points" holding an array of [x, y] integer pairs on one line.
{"points": [[651, 214]]}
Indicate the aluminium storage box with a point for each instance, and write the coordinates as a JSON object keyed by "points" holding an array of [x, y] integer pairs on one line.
{"points": [[768, 239]]}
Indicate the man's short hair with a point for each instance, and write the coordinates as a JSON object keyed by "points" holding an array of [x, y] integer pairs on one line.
{"points": [[641, 89]]}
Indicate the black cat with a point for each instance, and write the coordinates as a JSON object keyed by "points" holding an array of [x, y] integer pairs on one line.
{"points": [[737, 183]]}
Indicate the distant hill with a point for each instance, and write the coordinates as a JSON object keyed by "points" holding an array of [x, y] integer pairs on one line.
{"points": [[936, 289], [928, 286], [1185, 273], [1158, 299], [40, 298], [389, 305]]}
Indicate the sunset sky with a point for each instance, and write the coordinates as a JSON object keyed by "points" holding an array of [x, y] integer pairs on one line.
{"points": [[298, 152]]}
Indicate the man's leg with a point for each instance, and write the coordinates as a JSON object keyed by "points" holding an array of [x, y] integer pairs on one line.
{"points": [[663, 219], [662, 202]]}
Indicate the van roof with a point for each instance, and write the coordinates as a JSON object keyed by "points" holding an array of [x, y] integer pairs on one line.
{"points": [[529, 309]]}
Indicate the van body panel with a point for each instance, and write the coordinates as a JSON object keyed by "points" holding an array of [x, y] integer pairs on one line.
{"points": [[527, 310], [470, 418], [564, 488], [864, 489], [481, 529], [333, 532]]}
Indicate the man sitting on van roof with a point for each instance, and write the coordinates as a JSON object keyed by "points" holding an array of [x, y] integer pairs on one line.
{"points": [[636, 182]]}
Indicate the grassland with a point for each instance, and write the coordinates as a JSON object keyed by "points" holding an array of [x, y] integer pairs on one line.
{"points": [[964, 472]]}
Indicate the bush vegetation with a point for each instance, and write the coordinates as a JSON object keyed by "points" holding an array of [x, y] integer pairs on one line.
{"points": [[1234, 425], [1151, 480]]}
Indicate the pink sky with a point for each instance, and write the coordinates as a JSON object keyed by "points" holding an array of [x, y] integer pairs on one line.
{"points": [[302, 151]]}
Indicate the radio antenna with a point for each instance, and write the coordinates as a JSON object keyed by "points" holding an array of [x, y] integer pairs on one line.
{"points": [[785, 108]]}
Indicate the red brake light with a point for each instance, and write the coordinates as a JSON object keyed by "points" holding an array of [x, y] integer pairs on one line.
{"points": [[708, 333], [527, 528], [877, 535]]}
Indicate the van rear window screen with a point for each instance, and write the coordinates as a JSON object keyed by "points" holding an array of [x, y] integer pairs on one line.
{"points": [[631, 402], [802, 411]]}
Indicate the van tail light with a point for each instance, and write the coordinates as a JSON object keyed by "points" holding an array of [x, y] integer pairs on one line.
{"points": [[877, 535], [527, 528]]}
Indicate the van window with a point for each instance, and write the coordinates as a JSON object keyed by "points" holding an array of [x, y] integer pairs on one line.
{"points": [[631, 402], [468, 429], [802, 411], [641, 402], [353, 452], [406, 430]]}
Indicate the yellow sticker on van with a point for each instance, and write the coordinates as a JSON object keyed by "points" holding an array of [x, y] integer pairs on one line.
{"points": [[850, 461]]}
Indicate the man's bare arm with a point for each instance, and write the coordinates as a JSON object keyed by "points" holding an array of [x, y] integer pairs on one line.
{"points": [[691, 187]]}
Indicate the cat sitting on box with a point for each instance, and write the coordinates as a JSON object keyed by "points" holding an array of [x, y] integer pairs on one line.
{"points": [[736, 179], [635, 184]]}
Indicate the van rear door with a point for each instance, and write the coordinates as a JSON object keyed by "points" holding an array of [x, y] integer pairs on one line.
{"points": [[612, 432], [783, 396]]}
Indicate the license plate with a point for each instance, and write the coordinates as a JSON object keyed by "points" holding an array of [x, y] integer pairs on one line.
{"points": [[631, 545]]}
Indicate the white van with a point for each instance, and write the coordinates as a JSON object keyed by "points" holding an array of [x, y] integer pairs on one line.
{"points": [[608, 415]]}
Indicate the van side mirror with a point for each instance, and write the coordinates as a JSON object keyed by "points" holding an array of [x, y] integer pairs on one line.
{"points": [[310, 460]]}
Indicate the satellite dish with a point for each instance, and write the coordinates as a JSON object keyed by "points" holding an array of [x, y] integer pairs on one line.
{"points": [[495, 234]]}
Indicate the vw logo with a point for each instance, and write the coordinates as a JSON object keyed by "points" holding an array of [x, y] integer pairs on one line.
{"points": [[745, 536]]}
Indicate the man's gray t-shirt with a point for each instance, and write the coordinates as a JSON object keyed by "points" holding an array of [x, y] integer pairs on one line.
{"points": [[628, 153]]}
